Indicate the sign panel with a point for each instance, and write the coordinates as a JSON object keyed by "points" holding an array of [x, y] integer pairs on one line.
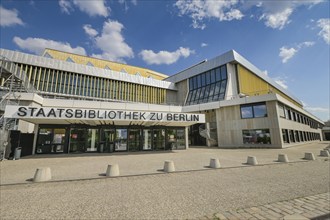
{"points": [[29, 112]]}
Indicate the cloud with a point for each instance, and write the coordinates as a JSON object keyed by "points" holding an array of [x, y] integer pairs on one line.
{"points": [[204, 44], [92, 8], [276, 14], [282, 82], [89, 30], [288, 53], [9, 17], [164, 57], [112, 43], [65, 6], [324, 24], [317, 109], [265, 72], [38, 45], [198, 11]]}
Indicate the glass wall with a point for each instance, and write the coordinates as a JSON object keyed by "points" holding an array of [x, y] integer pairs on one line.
{"points": [[255, 110], [51, 140], [121, 139], [208, 86], [104, 139]]}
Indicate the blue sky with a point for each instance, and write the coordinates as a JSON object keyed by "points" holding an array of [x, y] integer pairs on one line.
{"points": [[288, 40]]}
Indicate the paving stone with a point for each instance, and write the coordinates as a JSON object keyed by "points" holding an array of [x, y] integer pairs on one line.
{"points": [[220, 216]]}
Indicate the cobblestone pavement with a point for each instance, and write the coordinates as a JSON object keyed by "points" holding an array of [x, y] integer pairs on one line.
{"points": [[299, 209], [179, 195], [89, 166]]}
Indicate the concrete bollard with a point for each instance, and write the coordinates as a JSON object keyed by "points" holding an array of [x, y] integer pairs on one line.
{"points": [[169, 166], [324, 153], [252, 160], [42, 175], [112, 170], [327, 149], [283, 158], [215, 163], [309, 156]]}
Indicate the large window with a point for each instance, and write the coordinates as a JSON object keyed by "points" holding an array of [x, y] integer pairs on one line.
{"points": [[256, 110], [256, 136], [208, 86]]}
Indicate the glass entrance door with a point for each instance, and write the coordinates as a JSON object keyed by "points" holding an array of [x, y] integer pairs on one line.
{"points": [[107, 141], [134, 139], [121, 139], [147, 139], [159, 139]]}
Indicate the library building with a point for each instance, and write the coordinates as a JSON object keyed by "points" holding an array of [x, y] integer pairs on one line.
{"points": [[64, 103]]}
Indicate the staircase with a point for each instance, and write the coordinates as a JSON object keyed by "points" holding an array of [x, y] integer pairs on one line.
{"points": [[13, 82]]}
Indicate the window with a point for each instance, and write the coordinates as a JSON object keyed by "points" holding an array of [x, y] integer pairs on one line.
{"points": [[89, 64], [291, 135], [285, 136], [211, 86], [47, 55], [257, 110], [281, 110], [69, 60], [257, 136]]}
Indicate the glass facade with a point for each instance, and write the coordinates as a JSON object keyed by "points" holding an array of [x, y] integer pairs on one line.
{"points": [[103, 139], [256, 136], [208, 86], [51, 81]]}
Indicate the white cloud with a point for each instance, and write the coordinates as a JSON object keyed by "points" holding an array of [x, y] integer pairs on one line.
{"points": [[198, 11], [324, 24], [89, 30], [288, 53], [265, 72], [204, 44], [282, 82], [65, 6], [276, 14], [278, 19], [37, 45], [164, 57], [92, 8], [112, 42], [9, 17]]}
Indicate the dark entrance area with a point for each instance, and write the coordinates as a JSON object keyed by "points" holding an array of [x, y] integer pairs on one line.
{"points": [[24, 141], [195, 137]]}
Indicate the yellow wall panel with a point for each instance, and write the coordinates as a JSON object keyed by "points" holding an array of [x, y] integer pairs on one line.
{"points": [[60, 55], [250, 84]]}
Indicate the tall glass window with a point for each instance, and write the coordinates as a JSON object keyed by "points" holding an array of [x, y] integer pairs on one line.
{"points": [[210, 86]]}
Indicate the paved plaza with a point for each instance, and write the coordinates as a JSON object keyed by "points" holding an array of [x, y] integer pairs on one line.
{"points": [[79, 190]]}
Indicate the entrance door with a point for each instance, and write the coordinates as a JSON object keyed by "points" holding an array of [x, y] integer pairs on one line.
{"points": [[121, 139], [147, 139], [159, 139], [134, 139], [107, 141]]}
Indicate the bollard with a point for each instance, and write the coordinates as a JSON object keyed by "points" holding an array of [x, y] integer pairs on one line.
{"points": [[252, 160], [112, 170], [215, 163], [309, 156], [42, 175], [169, 166], [327, 149], [324, 153], [283, 158]]}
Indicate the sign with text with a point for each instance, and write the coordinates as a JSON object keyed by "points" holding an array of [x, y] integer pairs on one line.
{"points": [[29, 112]]}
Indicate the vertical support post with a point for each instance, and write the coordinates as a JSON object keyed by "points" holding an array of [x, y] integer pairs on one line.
{"points": [[186, 135], [36, 129], [207, 128]]}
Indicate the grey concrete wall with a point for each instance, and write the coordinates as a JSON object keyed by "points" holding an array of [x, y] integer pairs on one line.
{"points": [[230, 126]]}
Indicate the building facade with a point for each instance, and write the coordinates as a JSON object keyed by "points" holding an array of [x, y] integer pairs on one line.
{"points": [[73, 103]]}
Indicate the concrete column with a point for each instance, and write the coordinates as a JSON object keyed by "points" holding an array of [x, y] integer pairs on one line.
{"points": [[186, 133], [36, 128]]}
